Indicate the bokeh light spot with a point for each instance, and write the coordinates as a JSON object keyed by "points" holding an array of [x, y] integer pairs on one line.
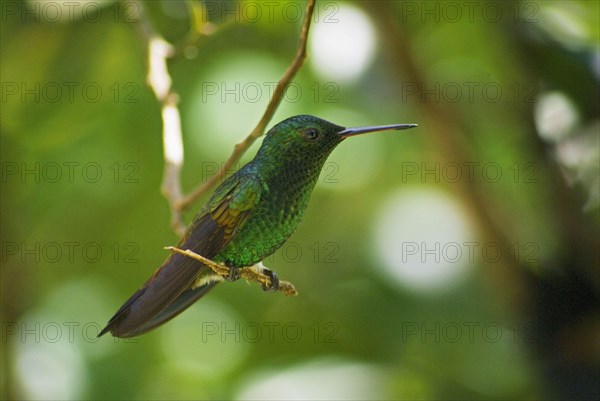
{"points": [[567, 23], [424, 240], [343, 46], [329, 379], [48, 370], [555, 116]]}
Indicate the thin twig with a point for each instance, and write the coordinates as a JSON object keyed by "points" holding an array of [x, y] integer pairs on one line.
{"points": [[251, 273], [258, 131]]}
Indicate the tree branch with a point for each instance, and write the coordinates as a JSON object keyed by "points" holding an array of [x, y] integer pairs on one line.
{"points": [[251, 273]]}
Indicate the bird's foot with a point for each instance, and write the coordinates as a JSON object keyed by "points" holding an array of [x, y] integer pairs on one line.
{"points": [[273, 284], [233, 275], [267, 278]]}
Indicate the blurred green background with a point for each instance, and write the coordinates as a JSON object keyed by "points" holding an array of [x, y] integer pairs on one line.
{"points": [[458, 260]]}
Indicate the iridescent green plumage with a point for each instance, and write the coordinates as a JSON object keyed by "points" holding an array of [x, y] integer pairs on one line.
{"points": [[249, 216]]}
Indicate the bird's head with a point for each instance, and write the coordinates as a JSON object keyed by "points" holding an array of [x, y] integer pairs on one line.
{"points": [[308, 140]]}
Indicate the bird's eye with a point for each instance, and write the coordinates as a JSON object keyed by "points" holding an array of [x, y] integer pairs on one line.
{"points": [[311, 134]]}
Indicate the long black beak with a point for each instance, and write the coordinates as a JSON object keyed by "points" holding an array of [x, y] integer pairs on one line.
{"points": [[363, 130]]}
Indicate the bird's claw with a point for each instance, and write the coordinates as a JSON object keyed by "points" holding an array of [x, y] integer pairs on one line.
{"points": [[233, 275], [274, 285]]}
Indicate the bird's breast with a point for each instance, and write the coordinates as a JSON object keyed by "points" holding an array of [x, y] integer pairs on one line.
{"points": [[271, 223]]}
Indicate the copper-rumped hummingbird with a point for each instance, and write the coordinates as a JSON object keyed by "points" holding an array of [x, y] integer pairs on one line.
{"points": [[248, 217]]}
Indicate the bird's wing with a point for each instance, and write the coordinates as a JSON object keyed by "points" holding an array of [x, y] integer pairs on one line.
{"points": [[159, 299]]}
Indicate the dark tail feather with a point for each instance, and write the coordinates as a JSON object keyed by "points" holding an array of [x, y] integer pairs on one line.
{"points": [[180, 304], [114, 321], [170, 290], [144, 309]]}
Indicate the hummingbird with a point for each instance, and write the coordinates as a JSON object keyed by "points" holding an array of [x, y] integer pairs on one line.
{"points": [[249, 216]]}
